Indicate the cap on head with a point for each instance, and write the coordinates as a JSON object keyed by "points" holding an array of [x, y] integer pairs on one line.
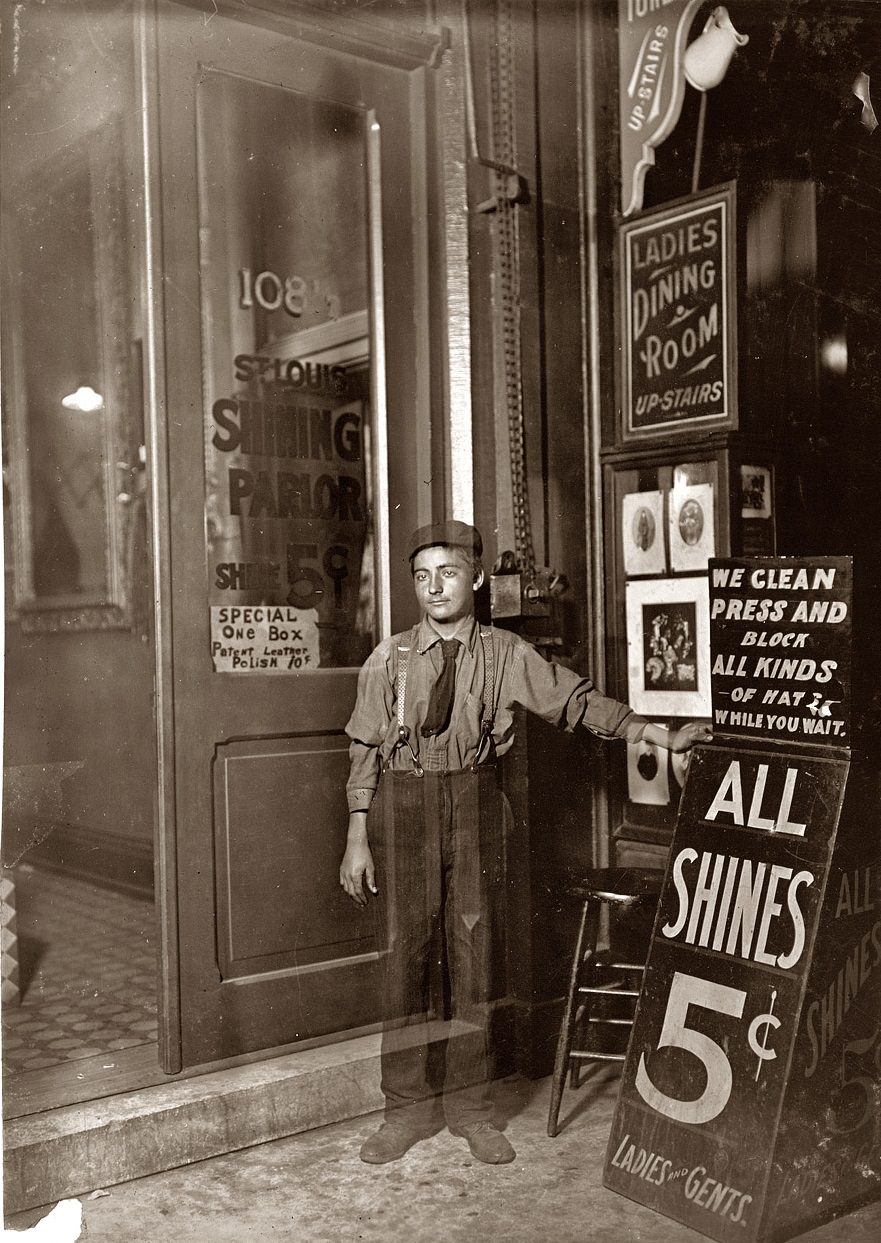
{"points": [[452, 534]]}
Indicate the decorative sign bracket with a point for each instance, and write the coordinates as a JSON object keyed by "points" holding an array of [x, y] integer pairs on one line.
{"points": [[651, 85]]}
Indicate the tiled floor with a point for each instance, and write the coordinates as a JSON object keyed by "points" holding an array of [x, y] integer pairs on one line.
{"points": [[88, 972]]}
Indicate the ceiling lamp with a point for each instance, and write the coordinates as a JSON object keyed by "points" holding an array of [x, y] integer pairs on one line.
{"points": [[84, 399]]}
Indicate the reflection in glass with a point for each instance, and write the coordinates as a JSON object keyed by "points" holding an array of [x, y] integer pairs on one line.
{"points": [[284, 234], [66, 458], [66, 389]]}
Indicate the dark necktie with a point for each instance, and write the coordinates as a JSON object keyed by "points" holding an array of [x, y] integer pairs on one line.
{"points": [[440, 702]]}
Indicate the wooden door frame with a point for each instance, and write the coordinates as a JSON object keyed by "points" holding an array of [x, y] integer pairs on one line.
{"points": [[159, 500]]}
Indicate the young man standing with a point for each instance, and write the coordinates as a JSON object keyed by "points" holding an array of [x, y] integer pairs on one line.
{"points": [[427, 826]]}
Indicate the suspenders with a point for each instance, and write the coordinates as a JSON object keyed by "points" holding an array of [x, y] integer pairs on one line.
{"points": [[489, 684], [403, 734]]}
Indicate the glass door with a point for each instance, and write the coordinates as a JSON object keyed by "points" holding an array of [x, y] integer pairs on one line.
{"points": [[288, 255]]}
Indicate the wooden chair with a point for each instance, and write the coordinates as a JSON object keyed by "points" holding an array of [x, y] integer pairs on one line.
{"points": [[598, 977]]}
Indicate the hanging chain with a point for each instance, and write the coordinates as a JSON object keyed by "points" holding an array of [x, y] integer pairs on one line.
{"points": [[507, 235]]}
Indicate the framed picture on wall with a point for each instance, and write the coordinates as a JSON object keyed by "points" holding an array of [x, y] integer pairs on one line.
{"points": [[755, 492], [692, 527], [668, 646], [642, 533], [757, 526], [676, 303]]}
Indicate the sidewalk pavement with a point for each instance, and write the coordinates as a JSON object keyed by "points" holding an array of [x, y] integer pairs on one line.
{"points": [[312, 1188]]}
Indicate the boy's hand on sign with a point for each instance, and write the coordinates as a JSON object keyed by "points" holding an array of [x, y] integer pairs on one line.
{"points": [[685, 738], [355, 869]]}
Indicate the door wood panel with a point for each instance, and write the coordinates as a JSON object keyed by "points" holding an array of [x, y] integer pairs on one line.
{"points": [[278, 807]]}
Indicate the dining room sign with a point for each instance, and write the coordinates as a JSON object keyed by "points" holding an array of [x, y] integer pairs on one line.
{"points": [[677, 290]]}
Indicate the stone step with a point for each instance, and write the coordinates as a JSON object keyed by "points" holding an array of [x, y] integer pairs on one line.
{"points": [[75, 1149]]}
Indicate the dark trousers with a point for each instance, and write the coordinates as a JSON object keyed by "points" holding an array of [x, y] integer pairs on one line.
{"points": [[438, 843]]}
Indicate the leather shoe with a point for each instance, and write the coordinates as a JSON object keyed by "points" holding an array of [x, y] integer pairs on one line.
{"points": [[487, 1143], [389, 1143]]}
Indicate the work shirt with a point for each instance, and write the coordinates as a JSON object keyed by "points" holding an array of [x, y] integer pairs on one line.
{"points": [[521, 676]]}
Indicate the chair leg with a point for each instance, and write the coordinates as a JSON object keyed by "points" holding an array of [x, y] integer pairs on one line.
{"points": [[587, 933], [579, 1028], [575, 1065]]}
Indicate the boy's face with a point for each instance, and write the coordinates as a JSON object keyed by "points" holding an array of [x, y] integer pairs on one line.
{"points": [[445, 583]]}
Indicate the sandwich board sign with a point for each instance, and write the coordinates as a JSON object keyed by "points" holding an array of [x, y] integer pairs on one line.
{"points": [[750, 1101]]}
